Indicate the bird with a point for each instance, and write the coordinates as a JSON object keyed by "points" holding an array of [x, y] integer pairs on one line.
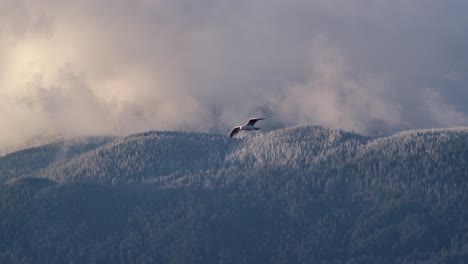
{"points": [[249, 126]]}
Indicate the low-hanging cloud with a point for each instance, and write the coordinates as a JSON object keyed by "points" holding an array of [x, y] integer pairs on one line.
{"points": [[335, 98], [117, 67]]}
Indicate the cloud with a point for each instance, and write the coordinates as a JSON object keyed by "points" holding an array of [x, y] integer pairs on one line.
{"points": [[443, 114], [333, 98], [90, 67]]}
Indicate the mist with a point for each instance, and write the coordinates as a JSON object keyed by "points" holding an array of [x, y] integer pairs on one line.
{"points": [[87, 67]]}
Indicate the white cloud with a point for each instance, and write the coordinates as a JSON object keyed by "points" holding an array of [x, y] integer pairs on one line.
{"points": [[443, 114], [332, 98], [84, 67]]}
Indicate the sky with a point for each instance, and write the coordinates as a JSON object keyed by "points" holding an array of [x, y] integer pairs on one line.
{"points": [[91, 67]]}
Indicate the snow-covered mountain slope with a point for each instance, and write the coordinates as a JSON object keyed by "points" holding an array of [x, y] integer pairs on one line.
{"points": [[29, 161], [295, 147], [140, 157], [166, 156], [145, 157]]}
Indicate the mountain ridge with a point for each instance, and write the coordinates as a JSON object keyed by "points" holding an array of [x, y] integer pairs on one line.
{"points": [[145, 154]]}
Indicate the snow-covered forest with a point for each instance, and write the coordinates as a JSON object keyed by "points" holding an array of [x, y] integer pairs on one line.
{"points": [[302, 194]]}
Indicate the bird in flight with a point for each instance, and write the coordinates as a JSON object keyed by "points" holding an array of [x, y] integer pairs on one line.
{"points": [[248, 126]]}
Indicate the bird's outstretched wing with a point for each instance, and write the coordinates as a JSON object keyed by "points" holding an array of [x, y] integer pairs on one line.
{"points": [[252, 121], [234, 131]]}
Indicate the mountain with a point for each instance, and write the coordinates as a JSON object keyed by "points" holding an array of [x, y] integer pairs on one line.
{"points": [[141, 157], [302, 194], [30, 160]]}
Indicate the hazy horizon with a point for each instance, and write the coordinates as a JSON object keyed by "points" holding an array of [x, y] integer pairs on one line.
{"points": [[119, 67]]}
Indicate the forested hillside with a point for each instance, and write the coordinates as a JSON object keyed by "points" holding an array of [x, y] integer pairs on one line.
{"points": [[304, 194]]}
